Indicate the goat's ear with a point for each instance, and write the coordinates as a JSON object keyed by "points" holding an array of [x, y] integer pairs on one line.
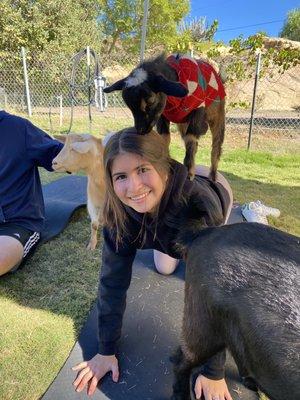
{"points": [[160, 84], [81, 147], [60, 138], [119, 85], [107, 137]]}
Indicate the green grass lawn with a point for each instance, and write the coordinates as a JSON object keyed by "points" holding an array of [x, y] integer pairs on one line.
{"points": [[43, 306]]}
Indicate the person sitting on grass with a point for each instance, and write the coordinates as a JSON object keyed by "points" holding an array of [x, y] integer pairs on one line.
{"points": [[23, 148], [148, 195]]}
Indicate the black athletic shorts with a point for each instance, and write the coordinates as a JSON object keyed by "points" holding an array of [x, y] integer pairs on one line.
{"points": [[27, 238]]}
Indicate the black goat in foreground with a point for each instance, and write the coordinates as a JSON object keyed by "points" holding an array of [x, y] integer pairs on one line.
{"points": [[177, 89], [242, 292]]}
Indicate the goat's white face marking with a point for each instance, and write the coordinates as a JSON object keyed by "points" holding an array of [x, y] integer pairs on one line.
{"points": [[138, 76]]}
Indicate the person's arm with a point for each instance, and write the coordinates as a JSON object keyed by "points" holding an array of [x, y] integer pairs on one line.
{"points": [[40, 147], [208, 380], [214, 368], [115, 278]]}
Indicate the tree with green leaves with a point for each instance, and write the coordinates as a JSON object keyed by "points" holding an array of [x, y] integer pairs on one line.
{"points": [[122, 22], [47, 28], [196, 34], [291, 27]]}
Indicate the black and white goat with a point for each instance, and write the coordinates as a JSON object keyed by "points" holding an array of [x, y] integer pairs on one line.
{"points": [[242, 292], [177, 89]]}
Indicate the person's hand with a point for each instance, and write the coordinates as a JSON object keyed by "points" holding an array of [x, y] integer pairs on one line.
{"points": [[90, 372], [211, 389]]}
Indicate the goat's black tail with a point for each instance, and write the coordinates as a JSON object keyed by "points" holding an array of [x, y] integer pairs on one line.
{"points": [[199, 215], [188, 233]]}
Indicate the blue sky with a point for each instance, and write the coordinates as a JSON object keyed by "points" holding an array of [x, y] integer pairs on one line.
{"points": [[240, 13]]}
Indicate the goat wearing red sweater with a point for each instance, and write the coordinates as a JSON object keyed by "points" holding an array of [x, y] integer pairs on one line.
{"points": [[177, 89]]}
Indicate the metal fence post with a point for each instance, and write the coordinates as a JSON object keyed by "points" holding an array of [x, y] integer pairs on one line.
{"points": [[60, 110], [144, 29], [254, 98], [26, 82], [88, 61]]}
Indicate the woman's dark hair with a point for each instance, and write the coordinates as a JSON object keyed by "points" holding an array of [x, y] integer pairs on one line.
{"points": [[152, 147]]}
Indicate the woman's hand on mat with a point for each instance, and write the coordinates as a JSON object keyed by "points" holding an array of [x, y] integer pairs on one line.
{"points": [[90, 372], [211, 389]]}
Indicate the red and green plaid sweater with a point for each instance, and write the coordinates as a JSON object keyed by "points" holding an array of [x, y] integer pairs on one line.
{"points": [[201, 80]]}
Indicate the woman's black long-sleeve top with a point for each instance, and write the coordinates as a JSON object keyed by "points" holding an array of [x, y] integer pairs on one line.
{"points": [[159, 234]]}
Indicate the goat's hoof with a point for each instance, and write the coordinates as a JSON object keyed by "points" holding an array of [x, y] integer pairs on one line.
{"points": [[213, 175], [178, 396], [177, 356], [180, 391], [91, 246], [191, 176], [249, 383]]}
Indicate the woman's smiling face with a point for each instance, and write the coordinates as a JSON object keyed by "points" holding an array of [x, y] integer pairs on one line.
{"points": [[136, 182]]}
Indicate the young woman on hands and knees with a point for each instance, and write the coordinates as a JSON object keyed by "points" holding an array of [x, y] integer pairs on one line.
{"points": [[148, 195]]}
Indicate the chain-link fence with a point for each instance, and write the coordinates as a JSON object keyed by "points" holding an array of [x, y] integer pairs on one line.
{"points": [[70, 94], [272, 101]]}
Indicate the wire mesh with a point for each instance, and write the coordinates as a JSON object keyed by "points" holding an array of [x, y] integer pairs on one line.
{"points": [[53, 97]]}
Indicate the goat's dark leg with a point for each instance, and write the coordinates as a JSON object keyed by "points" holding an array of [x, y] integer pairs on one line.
{"points": [[239, 358], [191, 147], [216, 120], [182, 371], [183, 388], [163, 128], [200, 339], [191, 131]]}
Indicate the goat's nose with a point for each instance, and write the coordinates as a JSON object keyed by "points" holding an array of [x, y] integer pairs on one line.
{"points": [[140, 127], [144, 131]]}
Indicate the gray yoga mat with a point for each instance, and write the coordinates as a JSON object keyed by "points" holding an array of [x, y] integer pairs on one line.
{"points": [[151, 332], [62, 197]]}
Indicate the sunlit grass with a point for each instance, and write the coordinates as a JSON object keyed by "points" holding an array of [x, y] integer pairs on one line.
{"points": [[43, 306]]}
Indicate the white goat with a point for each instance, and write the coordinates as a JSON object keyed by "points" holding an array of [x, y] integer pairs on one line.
{"points": [[85, 152]]}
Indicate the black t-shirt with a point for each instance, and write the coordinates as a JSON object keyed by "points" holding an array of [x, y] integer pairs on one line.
{"points": [[23, 148]]}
